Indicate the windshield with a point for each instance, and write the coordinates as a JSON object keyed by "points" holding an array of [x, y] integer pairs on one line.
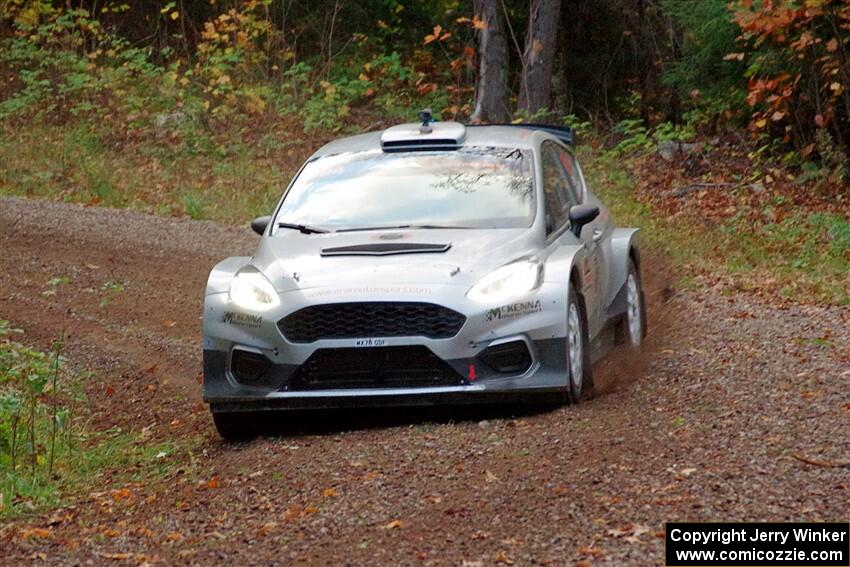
{"points": [[474, 187]]}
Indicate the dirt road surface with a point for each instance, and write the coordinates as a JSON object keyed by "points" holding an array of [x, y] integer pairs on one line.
{"points": [[739, 410]]}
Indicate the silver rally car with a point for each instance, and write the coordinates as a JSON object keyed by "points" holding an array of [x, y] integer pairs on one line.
{"points": [[430, 263]]}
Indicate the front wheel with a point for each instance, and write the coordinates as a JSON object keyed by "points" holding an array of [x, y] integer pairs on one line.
{"points": [[633, 328], [579, 372], [235, 426]]}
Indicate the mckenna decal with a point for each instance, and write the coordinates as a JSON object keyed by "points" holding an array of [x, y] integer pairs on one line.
{"points": [[513, 310], [243, 319]]}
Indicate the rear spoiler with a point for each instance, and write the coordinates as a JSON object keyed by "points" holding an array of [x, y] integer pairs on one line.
{"points": [[563, 133]]}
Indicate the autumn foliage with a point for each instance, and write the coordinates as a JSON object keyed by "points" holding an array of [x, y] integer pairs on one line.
{"points": [[798, 74]]}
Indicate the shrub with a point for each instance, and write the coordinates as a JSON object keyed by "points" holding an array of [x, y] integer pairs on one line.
{"points": [[799, 69]]}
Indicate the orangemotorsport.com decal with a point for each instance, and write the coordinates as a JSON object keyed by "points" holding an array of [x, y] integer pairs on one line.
{"points": [[243, 319], [513, 310]]}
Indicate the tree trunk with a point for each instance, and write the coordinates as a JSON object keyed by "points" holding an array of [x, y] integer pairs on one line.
{"points": [[539, 55], [491, 85], [561, 96]]}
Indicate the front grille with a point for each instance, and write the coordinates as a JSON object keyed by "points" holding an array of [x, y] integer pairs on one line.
{"points": [[409, 366], [371, 319]]}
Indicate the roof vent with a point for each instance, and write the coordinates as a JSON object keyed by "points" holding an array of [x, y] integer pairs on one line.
{"points": [[429, 136]]}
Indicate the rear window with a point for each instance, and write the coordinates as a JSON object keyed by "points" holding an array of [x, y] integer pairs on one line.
{"points": [[474, 187]]}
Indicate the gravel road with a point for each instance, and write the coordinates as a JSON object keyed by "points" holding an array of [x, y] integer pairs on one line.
{"points": [[738, 410]]}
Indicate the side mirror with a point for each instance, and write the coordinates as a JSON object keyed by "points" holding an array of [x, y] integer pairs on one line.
{"points": [[581, 215], [259, 224]]}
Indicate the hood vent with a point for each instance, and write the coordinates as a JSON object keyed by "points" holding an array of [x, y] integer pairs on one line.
{"points": [[386, 249]]}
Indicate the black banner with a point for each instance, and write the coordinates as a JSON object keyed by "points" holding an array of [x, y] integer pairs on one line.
{"points": [[757, 544]]}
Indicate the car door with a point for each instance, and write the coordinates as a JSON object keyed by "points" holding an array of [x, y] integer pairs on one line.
{"points": [[598, 233], [561, 174]]}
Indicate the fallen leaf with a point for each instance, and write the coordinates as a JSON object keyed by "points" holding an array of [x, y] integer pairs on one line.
{"points": [[121, 494], [394, 524], [329, 492], [592, 551], [116, 556], [268, 527], [31, 533], [144, 532], [212, 483]]}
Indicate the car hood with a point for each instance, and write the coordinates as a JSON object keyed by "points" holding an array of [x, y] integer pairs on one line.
{"points": [[292, 260]]}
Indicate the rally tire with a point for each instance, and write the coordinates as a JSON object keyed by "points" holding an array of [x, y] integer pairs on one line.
{"points": [[631, 330], [579, 371], [235, 426]]}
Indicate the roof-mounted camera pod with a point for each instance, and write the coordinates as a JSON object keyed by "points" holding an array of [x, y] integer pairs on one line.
{"points": [[426, 118]]}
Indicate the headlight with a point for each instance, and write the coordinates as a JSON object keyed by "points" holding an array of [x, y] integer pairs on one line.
{"points": [[507, 282], [252, 290]]}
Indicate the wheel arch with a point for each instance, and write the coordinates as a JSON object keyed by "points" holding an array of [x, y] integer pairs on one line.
{"points": [[625, 248]]}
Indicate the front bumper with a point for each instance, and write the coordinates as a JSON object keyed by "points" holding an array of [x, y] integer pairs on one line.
{"points": [[537, 320]]}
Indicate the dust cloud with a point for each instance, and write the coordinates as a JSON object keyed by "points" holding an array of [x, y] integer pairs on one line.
{"points": [[624, 365]]}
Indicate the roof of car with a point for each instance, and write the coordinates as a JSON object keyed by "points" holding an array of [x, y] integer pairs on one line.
{"points": [[472, 135]]}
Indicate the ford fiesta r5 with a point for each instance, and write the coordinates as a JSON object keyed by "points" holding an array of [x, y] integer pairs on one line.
{"points": [[431, 263]]}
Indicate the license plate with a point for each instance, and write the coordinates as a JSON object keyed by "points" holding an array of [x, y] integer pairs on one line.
{"points": [[369, 342]]}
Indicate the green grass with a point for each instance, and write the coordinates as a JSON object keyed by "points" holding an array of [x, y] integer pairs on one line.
{"points": [[190, 172], [47, 452]]}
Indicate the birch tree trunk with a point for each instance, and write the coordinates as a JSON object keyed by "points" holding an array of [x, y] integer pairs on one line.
{"points": [[539, 55], [491, 84]]}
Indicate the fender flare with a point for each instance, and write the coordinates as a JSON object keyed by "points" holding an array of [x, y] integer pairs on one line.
{"points": [[564, 266], [625, 246]]}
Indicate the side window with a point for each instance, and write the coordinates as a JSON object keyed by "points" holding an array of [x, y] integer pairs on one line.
{"points": [[555, 189], [573, 176]]}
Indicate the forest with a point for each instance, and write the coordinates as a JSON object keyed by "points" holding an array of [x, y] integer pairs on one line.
{"points": [[777, 68]]}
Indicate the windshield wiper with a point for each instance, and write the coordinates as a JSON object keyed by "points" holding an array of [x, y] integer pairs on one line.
{"points": [[303, 228], [441, 226], [400, 226], [359, 228]]}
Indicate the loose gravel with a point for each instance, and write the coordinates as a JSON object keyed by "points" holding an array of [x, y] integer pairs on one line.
{"points": [[738, 410]]}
